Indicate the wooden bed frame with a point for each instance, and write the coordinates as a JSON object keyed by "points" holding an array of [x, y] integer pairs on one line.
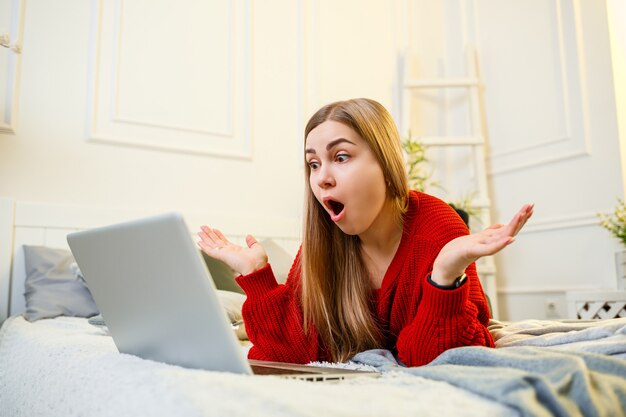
{"points": [[45, 224]]}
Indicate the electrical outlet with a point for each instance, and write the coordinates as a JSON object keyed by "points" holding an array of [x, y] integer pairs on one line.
{"points": [[551, 309]]}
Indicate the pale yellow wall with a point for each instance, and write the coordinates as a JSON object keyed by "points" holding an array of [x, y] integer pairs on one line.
{"points": [[616, 11], [306, 53], [550, 116], [302, 55]]}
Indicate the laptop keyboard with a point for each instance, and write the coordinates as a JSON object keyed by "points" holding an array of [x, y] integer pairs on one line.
{"points": [[266, 370]]}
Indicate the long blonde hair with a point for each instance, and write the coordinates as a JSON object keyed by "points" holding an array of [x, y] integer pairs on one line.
{"points": [[335, 285]]}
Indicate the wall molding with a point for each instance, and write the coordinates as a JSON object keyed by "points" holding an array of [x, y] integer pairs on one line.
{"points": [[544, 290], [8, 117], [36, 215], [565, 98], [568, 221], [117, 115], [575, 140], [108, 124], [565, 156]]}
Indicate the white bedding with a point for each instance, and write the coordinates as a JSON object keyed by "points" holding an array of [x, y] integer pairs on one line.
{"points": [[605, 337], [67, 367]]}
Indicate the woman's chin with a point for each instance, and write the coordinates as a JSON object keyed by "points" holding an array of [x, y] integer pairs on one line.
{"points": [[348, 228]]}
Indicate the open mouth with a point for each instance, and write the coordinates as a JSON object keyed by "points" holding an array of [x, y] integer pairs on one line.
{"points": [[334, 206]]}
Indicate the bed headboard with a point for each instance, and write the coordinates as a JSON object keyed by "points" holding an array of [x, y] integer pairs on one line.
{"points": [[27, 223]]}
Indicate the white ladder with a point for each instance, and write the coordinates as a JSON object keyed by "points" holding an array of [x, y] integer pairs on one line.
{"points": [[476, 140]]}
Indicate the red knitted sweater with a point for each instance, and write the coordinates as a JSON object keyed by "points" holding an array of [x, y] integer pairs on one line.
{"points": [[419, 320]]}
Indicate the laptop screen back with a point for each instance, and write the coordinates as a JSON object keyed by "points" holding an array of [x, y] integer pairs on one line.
{"points": [[156, 295]]}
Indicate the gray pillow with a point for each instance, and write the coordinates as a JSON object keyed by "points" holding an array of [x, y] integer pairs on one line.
{"points": [[53, 286], [279, 258], [223, 276]]}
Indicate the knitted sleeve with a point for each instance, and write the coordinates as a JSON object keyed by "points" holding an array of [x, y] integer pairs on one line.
{"points": [[273, 319], [445, 319]]}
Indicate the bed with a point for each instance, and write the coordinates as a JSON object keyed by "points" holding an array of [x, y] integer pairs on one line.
{"points": [[68, 366]]}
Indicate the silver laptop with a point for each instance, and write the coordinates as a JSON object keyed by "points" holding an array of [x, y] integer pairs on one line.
{"points": [[159, 302]]}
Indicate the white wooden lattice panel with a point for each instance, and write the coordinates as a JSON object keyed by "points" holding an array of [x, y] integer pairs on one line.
{"points": [[597, 305], [600, 310]]}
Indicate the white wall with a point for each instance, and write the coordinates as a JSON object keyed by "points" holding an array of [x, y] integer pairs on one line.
{"points": [[551, 128], [616, 11], [94, 70], [546, 69]]}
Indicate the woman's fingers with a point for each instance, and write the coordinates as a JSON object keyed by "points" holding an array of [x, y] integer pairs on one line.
{"points": [[241, 259], [457, 254], [213, 238], [220, 235], [522, 217], [519, 220], [251, 240], [490, 246], [516, 224], [495, 226], [488, 243], [498, 236], [208, 249], [205, 236]]}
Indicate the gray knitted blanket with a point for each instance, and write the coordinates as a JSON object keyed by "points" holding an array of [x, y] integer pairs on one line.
{"points": [[540, 368]]}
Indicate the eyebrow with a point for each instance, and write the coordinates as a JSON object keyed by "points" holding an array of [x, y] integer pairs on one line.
{"points": [[331, 145]]}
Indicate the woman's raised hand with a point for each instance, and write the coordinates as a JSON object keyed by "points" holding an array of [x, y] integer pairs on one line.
{"points": [[243, 260], [459, 253]]}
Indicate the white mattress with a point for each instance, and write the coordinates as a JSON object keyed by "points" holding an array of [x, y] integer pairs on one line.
{"points": [[67, 367]]}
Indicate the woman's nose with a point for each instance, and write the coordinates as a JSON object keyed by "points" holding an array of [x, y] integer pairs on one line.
{"points": [[325, 179]]}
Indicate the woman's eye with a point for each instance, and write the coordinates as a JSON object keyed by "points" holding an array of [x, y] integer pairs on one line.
{"points": [[314, 164], [342, 157]]}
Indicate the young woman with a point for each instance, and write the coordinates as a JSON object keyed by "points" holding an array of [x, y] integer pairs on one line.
{"points": [[379, 267]]}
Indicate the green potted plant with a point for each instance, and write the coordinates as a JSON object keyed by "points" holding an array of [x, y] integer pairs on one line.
{"points": [[616, 224], [420, 174], [416, 163]]}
